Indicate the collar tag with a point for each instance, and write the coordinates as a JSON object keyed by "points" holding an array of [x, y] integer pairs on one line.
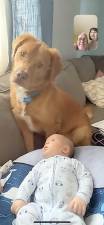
{"points": [[28, 98]]}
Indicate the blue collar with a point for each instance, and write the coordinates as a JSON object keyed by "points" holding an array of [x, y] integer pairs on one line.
{"points": [[28, 97]]}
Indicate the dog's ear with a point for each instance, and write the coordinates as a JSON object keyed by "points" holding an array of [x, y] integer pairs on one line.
{"points": [[19, 41], [56, 64]]}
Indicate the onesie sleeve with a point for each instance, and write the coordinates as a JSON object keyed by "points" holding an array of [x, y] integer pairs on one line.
{"points": [[28, 185], [85, 181]]}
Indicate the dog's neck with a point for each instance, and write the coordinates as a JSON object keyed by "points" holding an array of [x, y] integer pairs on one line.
{"points": [[25, 96]]}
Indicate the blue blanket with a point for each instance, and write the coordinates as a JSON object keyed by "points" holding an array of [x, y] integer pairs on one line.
{"points": [[14, 178], [97, 202]]}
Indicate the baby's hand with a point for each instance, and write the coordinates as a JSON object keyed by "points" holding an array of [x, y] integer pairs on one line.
{"points": [[17, 204], [77, 205]]}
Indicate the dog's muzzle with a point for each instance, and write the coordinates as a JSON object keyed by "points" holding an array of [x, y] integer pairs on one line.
{"points": [[21, 76]]}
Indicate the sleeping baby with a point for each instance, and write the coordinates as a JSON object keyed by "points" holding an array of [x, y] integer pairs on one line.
{"points": [[60, 185]]}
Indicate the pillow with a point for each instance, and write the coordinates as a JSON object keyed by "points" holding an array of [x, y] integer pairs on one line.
{"points": [[11, 141], [94, 90], [93, 158], [69, 81], [31, 158], [99, 74], [85, 68], [98, 62]]}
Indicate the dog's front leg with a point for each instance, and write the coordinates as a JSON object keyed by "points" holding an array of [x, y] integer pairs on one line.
{"points": [[26, 133], [28, 136]]}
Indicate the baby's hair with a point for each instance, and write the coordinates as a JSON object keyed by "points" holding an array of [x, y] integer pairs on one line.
{"points": [[70, 144], [67, 141]]}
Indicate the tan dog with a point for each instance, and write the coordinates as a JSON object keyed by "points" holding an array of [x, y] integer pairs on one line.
{"points": [[38, 105]]}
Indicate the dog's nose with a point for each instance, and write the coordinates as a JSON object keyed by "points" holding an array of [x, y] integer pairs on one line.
{"points": [[22, 75]]}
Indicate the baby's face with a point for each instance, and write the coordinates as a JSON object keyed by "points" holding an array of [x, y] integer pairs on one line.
{"points": [[54, 145]]}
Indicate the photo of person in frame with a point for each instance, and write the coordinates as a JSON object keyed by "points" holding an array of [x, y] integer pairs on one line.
{"points": [[85, 32], [93, 37]]}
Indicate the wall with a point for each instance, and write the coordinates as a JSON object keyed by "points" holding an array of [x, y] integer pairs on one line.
{"points": [[95, 7], [84, 23], [63, 19], [64, 12]]}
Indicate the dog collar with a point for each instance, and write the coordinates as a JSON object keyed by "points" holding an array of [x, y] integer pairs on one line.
{"points": [[27, 98]]}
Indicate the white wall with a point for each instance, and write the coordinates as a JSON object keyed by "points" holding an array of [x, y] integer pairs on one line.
{"points": [[83, 23], [63, 20]]}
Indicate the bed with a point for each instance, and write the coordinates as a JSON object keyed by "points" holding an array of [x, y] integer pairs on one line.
{"points": [[91, 156]]}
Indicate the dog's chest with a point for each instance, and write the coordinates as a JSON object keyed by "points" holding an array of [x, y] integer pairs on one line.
{"points": [[22, 113], [37, 120], [28, 120]]}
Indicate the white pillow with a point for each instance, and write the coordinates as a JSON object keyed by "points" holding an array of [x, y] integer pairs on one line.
{"points": [[31, 158], [94, 90], [91, 156]]}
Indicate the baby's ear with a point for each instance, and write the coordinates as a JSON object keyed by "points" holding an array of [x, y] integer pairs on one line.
{"points": [[65, 149]]}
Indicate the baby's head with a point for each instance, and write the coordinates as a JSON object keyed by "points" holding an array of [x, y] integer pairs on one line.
{"points": [[57, 144]]}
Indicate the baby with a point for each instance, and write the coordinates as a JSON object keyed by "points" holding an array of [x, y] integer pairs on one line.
{"points": [[60, 185]]}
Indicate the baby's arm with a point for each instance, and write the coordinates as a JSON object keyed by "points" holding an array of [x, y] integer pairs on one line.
{"points": [[17, 204], [78, 206], [79, 202], [25, 191]]}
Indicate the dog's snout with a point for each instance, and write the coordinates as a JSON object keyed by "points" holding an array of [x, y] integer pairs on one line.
{"points": [[21, 75]]}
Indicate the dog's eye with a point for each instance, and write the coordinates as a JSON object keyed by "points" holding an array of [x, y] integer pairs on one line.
{"points": [[39, 65], [22, 53]]}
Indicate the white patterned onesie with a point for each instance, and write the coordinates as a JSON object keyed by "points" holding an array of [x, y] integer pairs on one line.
{"points": [[53, 183]]}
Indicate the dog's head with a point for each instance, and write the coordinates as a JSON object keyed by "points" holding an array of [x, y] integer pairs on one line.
{"points": [[34, 64]]}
